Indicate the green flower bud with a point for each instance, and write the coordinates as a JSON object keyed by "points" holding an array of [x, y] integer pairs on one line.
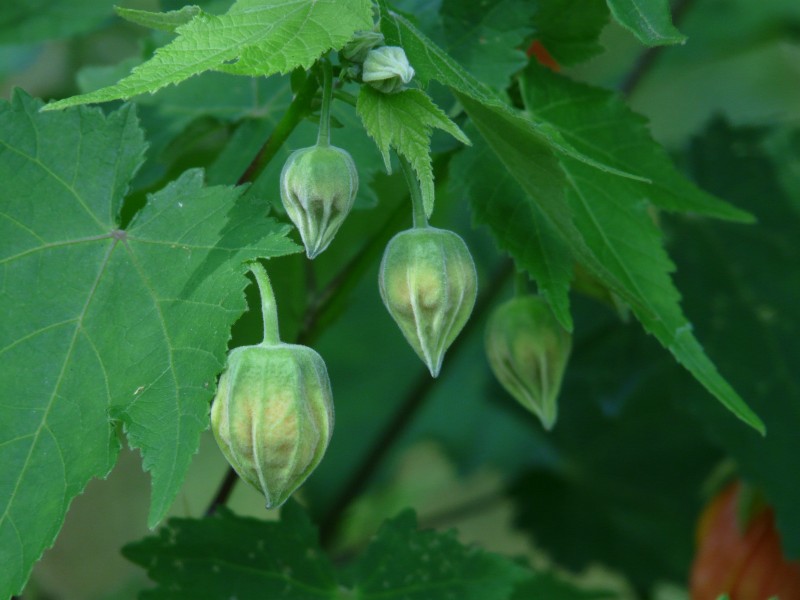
{"points": [[273, 416], [356, 50], [428, 283], [387, 69], [318, 188], [528, 351]]}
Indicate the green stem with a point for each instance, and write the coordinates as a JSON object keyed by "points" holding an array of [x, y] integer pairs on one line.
{"points": [[324, 134], [345, 97], [269, 308], [420, 218], [297, 111]]}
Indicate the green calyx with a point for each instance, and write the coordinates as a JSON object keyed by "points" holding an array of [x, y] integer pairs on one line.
{"points": [[528, 352], [318, 188], [429, 284], [273, 413]]}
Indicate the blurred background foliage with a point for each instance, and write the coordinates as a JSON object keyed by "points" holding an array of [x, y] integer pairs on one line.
{"points": [[613, 493]]}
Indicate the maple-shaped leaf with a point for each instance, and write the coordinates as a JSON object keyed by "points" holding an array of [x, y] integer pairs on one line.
{"points": [[103, 324], [255, 37]]}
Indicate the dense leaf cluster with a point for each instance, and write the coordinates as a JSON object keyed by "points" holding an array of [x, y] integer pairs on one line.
{"points": [[125, 232]]}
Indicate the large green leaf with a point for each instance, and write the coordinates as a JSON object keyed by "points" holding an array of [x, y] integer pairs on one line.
{"points": [[741, 287], [649, 20], [254, 38], [405, 121], [102, 324], [486, 39], [225, 555], [619, 229], [609, 229]]}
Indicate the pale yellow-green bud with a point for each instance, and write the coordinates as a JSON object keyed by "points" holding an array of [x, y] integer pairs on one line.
{"points": [[528, 350], [429, 284], [273, 416], [273, 412], [387, 69], [318, 188]]}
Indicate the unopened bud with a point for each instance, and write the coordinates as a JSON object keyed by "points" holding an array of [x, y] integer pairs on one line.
{"points": [[528, 351], [273, 412], [428, 283], [273, 416], [318, 188], [387, 69]]}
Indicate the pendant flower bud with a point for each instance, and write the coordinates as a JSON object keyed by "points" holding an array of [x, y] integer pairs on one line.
{"points": [[528, 351], [318, 188], [428, 283], [387, 69], [273, 415], [356, 50]]}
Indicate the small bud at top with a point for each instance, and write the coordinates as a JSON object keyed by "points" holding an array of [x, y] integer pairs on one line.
{"points": [[387, 69]]}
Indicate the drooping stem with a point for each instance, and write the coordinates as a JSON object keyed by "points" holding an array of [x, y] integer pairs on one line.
{"points": [[269, 309], [420, 218], [324, 134]]}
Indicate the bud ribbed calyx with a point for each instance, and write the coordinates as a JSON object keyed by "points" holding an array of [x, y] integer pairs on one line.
{"points": [[528, 350], [318, 188], [387, 69], [428, 283], [319, 184], [273, 415]]}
